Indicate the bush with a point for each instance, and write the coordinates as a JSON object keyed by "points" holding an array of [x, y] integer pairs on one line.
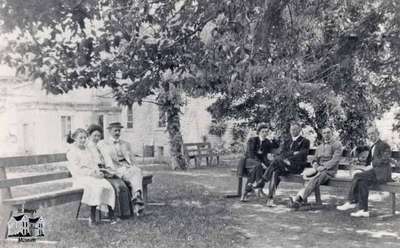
{"points": [[239, 133], [217, 128]]}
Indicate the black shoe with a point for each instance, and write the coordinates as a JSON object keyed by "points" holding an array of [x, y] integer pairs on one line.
{"points": [[137, 201], [138, 210], [249, 188], [258, 184], [294, 203], [138, 198]]}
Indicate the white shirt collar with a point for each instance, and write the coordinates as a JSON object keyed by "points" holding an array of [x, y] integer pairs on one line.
{"points": [[295, 138]]}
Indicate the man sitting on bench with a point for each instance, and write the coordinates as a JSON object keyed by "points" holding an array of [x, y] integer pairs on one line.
{"points": [[376, 171], [119, 162], [325, 165], [292, 160], [256, 158]]}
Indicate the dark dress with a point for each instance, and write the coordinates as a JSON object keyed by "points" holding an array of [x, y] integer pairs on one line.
{"points": [[256, 154], [123, 205]]}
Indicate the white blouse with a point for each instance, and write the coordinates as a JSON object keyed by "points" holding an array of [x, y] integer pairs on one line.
{"points": [[81, 162]]}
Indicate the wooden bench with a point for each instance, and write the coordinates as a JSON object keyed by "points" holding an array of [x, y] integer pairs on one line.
{"points": [[8, 203], [198, 151], [337, 182]]}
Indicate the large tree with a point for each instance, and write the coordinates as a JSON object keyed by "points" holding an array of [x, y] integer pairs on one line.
{"points": [[324, 63]]}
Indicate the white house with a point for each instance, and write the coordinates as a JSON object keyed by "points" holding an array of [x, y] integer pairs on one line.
{"points": [[36, 226], [33, 122], [19, 225], [22, 225]]}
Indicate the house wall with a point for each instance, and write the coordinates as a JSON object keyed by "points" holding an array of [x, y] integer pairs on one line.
{"points": [[30, 120], [195, 121]]}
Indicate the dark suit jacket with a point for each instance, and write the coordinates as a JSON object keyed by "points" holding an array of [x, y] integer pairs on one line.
{"points": [[380, 160], [253, 146], [301, 147]]}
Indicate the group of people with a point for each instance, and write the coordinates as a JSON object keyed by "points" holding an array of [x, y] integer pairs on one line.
{"points": [[266, 160], [106, 171]]}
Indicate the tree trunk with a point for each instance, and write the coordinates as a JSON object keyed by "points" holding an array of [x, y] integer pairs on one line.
{"points": [[175, 139]]}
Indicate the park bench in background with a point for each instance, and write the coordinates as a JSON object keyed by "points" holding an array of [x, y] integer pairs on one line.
{"points": [[8, 203], [340, 181], [198, 151]]}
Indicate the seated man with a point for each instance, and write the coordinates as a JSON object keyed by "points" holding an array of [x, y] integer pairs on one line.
{"points": [[118, 159], [325, 163], [377, 170], [256, 158], [292, 160]]}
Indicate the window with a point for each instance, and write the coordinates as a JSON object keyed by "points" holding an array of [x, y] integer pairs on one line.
{"points": [[65, 127], [129, 117], [162, 119], [100, 121], [160, 151]]}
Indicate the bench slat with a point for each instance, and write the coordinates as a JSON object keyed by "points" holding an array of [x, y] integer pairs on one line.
{"points": [[197, 150], [48, 177], [46, 199], [201, 155], [32, 160], [196, 144], [34, 179], [393, 187], [55, 197], [293, 178]]}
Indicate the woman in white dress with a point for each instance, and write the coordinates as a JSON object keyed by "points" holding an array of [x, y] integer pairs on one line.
{"points": [[86, 174]]}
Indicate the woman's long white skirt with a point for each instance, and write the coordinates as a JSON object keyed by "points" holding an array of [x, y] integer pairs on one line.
{"points": [[96, 191]]}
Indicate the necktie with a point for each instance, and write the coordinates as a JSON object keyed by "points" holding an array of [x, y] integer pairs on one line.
{"points": [[117, 145], [291, 145]]}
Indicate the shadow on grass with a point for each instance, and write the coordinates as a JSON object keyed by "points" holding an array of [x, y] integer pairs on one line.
{"points": [[189, 218]]}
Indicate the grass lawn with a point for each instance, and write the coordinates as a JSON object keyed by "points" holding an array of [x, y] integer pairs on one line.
{"points": [[196, 214]]}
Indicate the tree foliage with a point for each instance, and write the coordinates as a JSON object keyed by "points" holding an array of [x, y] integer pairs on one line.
{"points": [[127, 45], [326, 63]]}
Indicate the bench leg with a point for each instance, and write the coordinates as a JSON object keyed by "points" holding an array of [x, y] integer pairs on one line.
{"points": [[79, 209], [239, 189], [145, 194], [5, 216], [393, 212], [317, 193], [5, 210], [240, 186], [393, 196]]}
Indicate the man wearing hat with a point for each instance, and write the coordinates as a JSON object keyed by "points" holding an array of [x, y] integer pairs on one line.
{"points": [[119, 161], [325, 165]]}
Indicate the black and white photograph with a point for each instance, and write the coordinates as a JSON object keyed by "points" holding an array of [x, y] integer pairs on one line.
{"points": [[199, 123]]}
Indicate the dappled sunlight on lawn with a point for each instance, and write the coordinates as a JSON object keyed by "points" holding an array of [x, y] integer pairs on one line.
{"points": [[379, 234], [189, 210]]}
